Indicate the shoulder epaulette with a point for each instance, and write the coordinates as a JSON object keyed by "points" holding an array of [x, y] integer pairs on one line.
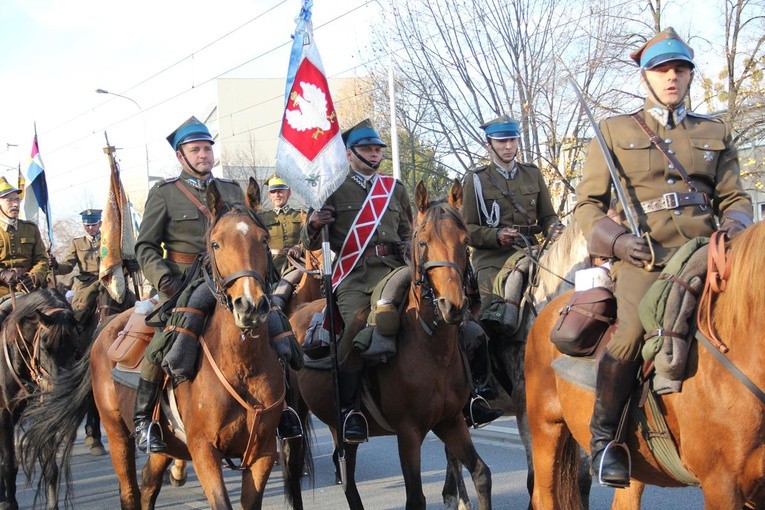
{"points": [[27, 222], [478, 168], [223, 179], [633, 112], [166, 180], [707, 116]]}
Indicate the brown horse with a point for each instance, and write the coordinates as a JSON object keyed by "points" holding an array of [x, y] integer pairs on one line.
{"points": [[232, 405], [424, 386], [726, 456]]}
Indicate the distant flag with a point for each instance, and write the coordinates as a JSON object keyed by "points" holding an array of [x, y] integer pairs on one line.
{"points": [[21, 183], [310, 155], [117, 234], [38, 199]]}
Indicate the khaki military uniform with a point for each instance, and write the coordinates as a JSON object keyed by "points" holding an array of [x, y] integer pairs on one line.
{"points": [[284, 232], [84, 253], [703, 146], [22, 247], [528, 190], [355, 290], [174, 228]]}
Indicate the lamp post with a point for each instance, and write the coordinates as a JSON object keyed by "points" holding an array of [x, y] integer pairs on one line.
{"points": [[145, 138]]}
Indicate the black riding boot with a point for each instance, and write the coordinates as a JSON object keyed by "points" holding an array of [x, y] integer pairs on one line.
{"points": [[354, 422], [614, 383], [289, 425], [147, 433], [480, 368]]}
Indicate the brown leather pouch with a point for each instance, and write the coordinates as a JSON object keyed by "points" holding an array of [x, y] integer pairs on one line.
{"points": [[128, 348], [583, 321]]}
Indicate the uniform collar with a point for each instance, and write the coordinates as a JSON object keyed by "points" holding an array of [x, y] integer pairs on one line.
{"points": [[200, 184], [94, 238], [6, 224], [361, 179], [282, 210], [507, 174], [662, 114]]}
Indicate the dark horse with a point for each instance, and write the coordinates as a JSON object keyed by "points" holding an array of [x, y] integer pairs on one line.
{"points": [[717, 422], [104, 306], [230, 408], [37, 342], [424, 386]]}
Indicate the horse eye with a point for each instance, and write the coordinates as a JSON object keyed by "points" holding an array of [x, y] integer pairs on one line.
{"points": [[422, 244], [215, 245]]}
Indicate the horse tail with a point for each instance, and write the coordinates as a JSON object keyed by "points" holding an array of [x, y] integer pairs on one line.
{"points": [[50, 423], [568, 476], [293, 465]]}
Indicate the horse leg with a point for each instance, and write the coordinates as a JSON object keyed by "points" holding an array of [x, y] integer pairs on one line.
{"points": [[293, 463], [455, 435], [352, 495], [122, 452], [178, 473], [51, 489], [9, 468], [207, 464], [93, 431], [454, 492], [556, 457], [151, 479], [254, 482], [629, 497], [410, 457]]}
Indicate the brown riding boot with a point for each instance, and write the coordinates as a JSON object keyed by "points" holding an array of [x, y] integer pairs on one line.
{"points": [[615, 381]]}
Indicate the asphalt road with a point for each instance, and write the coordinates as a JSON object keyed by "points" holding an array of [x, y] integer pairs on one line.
{"points": [[378, 475]]}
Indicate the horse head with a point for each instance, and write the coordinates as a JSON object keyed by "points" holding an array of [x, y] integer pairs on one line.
{"points": [[439, 253], [237, 244]]}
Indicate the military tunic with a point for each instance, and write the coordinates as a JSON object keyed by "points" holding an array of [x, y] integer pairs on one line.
{"points": [[22, 247], [528, 189], [283, 232], [703, 146], [172, 223], [84, 254], [355, 290]]}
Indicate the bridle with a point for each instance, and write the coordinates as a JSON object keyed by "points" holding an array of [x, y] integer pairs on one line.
{"points": [[422, 280], [219, 284]]}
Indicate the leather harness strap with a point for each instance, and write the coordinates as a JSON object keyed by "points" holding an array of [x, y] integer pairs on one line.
{"points": [[194, 200], [718, 271]]}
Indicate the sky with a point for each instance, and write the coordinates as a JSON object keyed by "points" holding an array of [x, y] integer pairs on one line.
{"points": [[164, 56]]}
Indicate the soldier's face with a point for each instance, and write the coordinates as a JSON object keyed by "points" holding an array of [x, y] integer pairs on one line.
{"points": [[669, 81], [200, 157], [9, 205], [371, 153], [279, 197], [92, 228], [505, 149]]}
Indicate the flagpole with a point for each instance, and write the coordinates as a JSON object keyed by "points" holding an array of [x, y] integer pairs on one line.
{"points": [[46, 209]]}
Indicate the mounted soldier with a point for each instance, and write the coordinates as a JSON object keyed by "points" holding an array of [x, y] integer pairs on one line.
{"points": [[23, 260], [680, 172], [506, 204]]}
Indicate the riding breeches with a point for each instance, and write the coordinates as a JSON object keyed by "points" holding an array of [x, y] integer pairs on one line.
{"points": [[349, 302], [630, 285]]}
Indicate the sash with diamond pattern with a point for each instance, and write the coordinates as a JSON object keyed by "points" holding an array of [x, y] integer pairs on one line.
{"points": [[363, 227]]}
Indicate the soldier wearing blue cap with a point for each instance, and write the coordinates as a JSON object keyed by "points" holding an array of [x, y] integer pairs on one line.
{"points": [[680, 172], [23, 259], [387, 249], [503, 200], [172, 234], [84, 254]]}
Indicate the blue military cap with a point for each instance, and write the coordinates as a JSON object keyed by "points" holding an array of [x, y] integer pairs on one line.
{"points": [[190, 131], [502, 128], [666, 46], [91, 216], [363, 133]]}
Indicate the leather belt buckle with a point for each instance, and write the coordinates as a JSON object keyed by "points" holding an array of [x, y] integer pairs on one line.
{"points": [[380, 250], [671, 200]]}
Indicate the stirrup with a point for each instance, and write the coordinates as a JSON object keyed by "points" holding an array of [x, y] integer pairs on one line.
{"points": [[623, 446], [473, 400], [299, 422], [139, 432], [366, 428]]}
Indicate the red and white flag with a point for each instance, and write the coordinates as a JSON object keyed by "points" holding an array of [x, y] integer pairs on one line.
{"points": [[311, 154]]}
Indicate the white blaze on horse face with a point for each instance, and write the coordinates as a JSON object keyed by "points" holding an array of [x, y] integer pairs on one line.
{"points": [[242, 227]]}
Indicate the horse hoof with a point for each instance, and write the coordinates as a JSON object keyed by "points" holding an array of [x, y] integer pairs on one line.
{"points": [[8, 505], [97, 450], [176, 482], [89, 440]]}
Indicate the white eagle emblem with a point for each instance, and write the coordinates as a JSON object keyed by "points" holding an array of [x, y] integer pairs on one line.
{"points": [[311, 112]]}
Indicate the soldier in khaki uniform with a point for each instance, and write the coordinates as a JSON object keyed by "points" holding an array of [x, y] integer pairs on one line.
{"points": [[386, 251], [84, 254], [283, 224], [172, 234], [23, 259], [669, 209], [502, 200]]}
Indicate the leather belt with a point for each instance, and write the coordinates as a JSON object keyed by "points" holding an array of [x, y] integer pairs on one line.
{"points": [[380, 250], [674, 201], [180, 257]]}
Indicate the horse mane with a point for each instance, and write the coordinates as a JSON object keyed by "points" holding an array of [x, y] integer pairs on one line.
{"points": [[43, 300], [565, 257], [740, 307], [239, 210], [438, 210]]}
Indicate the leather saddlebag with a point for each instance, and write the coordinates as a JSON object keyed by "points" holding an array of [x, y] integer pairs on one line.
{"points": [[583, 321], [129, 347]]}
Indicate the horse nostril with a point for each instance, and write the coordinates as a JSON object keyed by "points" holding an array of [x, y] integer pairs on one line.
{"points": [[242, 305], [264, 305]]}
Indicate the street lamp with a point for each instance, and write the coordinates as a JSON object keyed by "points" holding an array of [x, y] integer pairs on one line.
{"points": [[145, 139]]}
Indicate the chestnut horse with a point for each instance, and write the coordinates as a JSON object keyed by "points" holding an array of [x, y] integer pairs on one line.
{"points": [[424, 386], [230, 408], [38, 341], [717, 423]]}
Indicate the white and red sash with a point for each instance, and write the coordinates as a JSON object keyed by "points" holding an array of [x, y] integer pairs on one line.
{"points": [[364, 225]]}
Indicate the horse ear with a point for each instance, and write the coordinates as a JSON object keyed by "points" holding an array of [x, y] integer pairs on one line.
{"points": [[455, 195], [421, 197], [253, 195], [43, 318], [214, 199]]}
